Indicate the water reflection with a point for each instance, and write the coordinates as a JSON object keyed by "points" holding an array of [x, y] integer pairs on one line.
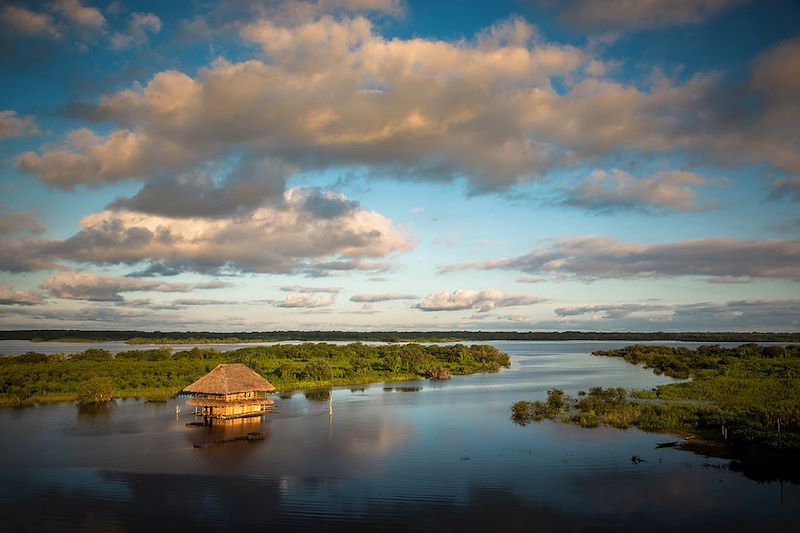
{"points": [[94, 413], [318, 395], [446, 457], [133, 501]]}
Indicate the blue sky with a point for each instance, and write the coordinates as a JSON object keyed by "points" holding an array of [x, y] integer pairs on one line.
{"points": [[386, 164]]}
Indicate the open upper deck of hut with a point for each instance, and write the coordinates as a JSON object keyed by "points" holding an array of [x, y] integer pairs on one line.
{"points": [[230, 391]]}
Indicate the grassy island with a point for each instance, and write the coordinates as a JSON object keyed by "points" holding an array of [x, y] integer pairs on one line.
{"points": [[742, 403], [160, 374]]}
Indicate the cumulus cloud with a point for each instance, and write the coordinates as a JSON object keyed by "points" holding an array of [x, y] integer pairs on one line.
{"points": [[388, 297], [19, 223], [484, 301], [605, 15], [11, 296], [136, 34], [276, 239], [607, 191], [595, 257], [12, 125], [87, 159], [502, 108], [485, 110], [306, 300], [24, 255], [78, 14], [195, 194], [347, 96], [24, 21], [99, 288], [65, 16]]}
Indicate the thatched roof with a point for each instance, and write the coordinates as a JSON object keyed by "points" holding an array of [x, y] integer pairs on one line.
{"points": [[230, 379]]}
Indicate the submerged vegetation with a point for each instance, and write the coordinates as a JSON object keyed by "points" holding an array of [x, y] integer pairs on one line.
{"points": [[744, 402], [160, 374]]}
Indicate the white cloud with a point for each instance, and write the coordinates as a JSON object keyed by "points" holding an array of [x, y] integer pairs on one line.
{"points": [[11, 296], [306, 300], [469, 122], [19, 223], [309, 290], [484, 301], [99, 288], [70, 16], [278, 238], [74, 12], [12, 125], [616, 189], [485, 110], [25, 21], [372, 298], [139, 26]]}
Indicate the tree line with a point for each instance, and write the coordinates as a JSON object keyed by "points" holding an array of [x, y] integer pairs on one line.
{"points": [[390, 336]]}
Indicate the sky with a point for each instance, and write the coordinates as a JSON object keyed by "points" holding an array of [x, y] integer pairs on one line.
{"points": [[243, 165]]}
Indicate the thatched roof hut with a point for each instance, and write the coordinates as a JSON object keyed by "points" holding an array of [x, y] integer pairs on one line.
{"points": [[231, 378], [230, 391]]}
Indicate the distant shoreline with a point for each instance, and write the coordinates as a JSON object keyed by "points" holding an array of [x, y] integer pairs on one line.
{"points": [[184, 337]]}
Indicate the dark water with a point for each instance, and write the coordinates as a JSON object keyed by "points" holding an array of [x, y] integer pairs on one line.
{"points": [[417, 455]]}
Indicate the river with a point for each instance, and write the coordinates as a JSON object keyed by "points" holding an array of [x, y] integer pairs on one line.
{"points": [[441, 456]]}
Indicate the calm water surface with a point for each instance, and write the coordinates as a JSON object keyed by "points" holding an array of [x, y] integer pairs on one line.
{"points": [[414, 455]]}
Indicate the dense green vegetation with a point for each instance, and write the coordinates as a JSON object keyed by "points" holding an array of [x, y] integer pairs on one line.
{"points": [[96, 390], [746, 400], [159, 374], [174, 337]]}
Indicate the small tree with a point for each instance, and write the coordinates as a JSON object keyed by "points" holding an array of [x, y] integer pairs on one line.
{"points": [[96, 390], [439, 373]]}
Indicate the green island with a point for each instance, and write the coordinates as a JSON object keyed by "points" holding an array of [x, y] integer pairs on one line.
{"points": [[159, 374], [741, 403]]}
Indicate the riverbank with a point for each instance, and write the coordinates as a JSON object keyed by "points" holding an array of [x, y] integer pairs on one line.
{"points": [[744, 402], [159, 374]]}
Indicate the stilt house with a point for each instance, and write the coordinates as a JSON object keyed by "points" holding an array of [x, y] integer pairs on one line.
{"points": [[230, 391]]}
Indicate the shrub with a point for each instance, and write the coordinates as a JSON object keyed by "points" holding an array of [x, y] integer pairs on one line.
{"points": [[439, 373], [96, 390]]}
